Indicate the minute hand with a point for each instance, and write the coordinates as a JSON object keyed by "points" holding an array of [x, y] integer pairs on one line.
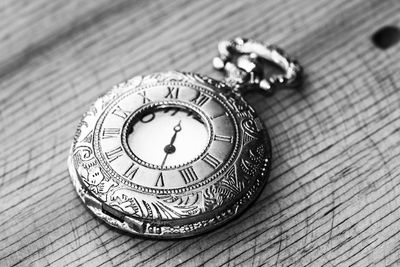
{"points": [[169, 149], [177, 129]]}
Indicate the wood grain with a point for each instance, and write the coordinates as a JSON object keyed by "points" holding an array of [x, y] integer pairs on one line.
{"points": [[334, 192]]}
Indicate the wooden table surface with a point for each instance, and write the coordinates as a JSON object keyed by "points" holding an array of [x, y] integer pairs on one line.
{"points": [[334, 192]]}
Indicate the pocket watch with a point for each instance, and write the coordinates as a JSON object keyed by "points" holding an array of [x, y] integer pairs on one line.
{"points": [[175, 154]]}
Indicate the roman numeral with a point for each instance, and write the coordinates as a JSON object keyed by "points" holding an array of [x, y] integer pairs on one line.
{"points": [[145, 98], [160, 180], [200, 99], [120, 112], [110, 133], [189, 175], [131, 171], [211, 160], [114, 154], [223, 138], [172, 92]]}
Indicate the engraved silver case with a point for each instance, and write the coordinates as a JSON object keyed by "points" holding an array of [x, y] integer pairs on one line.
{"points": [[178, 200]]}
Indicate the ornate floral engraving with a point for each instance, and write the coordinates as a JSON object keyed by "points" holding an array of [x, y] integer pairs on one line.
{"points": [[152, 207], [240, 106], [252, 164], [232, 185], [250, 127], [90, 172]]}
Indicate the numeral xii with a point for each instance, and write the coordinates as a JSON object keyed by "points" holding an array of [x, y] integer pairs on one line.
{"points": [[200, 99]]}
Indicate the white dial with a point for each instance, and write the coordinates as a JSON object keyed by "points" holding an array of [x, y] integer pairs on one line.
{"points": [[168, 136]]}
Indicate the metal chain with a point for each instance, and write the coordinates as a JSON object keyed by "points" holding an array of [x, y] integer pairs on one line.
{"points": [[240, 60]]}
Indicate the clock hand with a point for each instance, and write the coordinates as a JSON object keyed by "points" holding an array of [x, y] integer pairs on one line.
{"points": [[170, 148], [165, 158], [177, 129]]}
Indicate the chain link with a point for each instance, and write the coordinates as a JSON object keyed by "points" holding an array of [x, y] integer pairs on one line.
{"points": [[240, 60]]}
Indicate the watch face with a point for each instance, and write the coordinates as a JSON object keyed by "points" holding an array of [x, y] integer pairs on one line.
{"points": [[171, 147], [168, 136]]}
